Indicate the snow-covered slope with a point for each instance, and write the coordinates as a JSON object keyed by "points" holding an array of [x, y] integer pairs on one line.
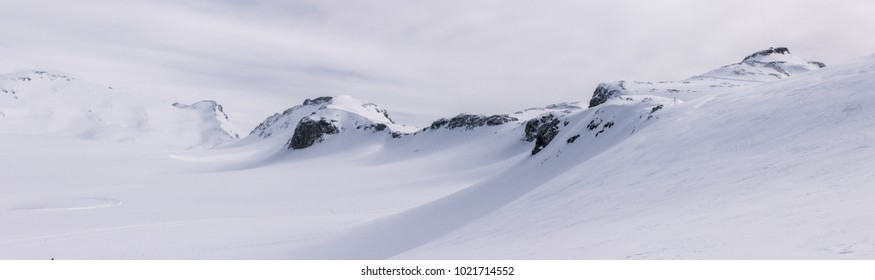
{"points": [[763, 66], [774, 167], [44, 103], [581, 136], [780, 170]]}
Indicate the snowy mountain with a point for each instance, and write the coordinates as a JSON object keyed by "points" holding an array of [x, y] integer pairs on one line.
{"points": [[768, 158], [729, 176], [317, 119], [45, 103], [760, 67]]}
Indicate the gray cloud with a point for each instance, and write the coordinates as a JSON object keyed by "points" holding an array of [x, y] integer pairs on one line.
{"points": [[419, 59]]}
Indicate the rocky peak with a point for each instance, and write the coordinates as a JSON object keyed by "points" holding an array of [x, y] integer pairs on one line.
{"points": [[311, 121], [762, 66], [290, 116], [605, 91], [775, 62], [770, 51], [318, 100]]}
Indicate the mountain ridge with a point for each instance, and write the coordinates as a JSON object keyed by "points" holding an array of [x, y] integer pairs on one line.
{"points": [[320, 119], [541, 124]]}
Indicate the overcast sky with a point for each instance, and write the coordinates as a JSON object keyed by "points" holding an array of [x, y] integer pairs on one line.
{"points": [[417, 59]]}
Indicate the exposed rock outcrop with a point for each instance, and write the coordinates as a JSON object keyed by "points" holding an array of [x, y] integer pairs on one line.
{"points": [[542, 131], [317, 101], [308, 123], [289, 117], [605, 91], [469, 121], [309, 131], [778, 50], [780, 60]]}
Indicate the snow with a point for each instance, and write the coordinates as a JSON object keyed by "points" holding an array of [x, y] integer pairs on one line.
{"points": [[348, 113], [753, 70], [561, 109], [769, 169], [44, 103], [778, 171]]}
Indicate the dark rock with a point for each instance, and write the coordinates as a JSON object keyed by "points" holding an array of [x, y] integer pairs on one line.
{"points": [[563, 106], [310, 131], [438, 123], [779, 50], [572, 138], [778, 65], [377, 126], [817, 63], [318, 100], [499, 120], [469, 121], [606, 91], [541, 130], [263, 130], [657, 108], [593, 124]]}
